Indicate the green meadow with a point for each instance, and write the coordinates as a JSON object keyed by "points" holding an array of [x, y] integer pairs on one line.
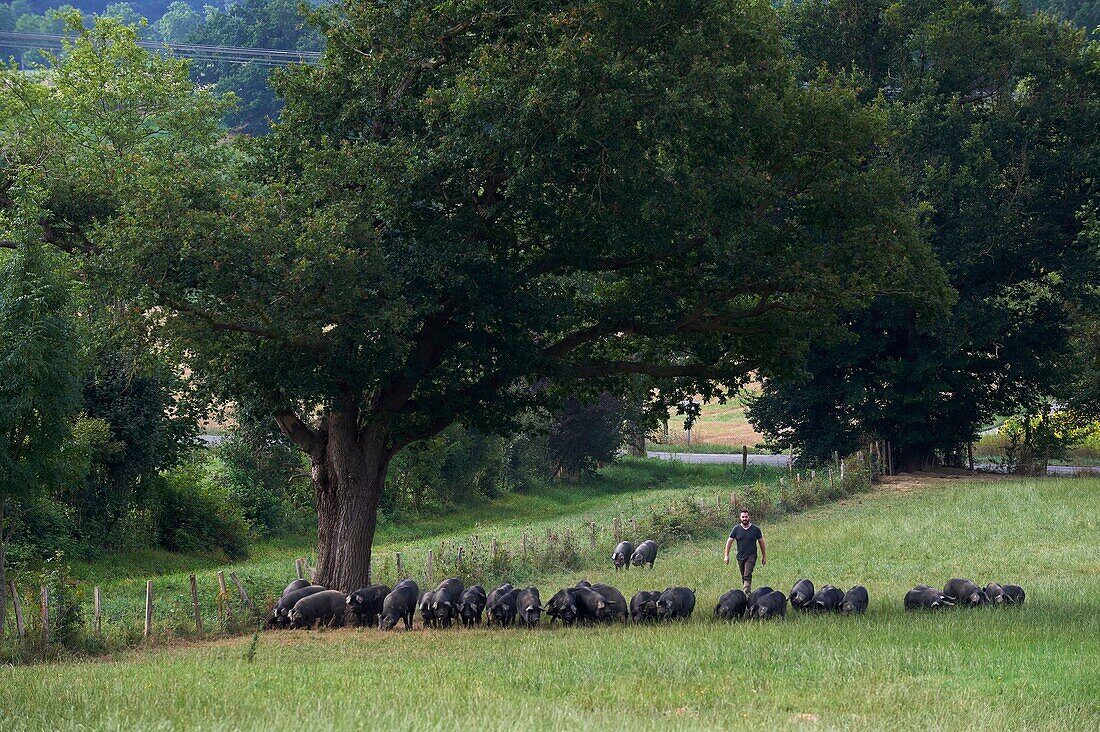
{"points": [[1034, 667]]}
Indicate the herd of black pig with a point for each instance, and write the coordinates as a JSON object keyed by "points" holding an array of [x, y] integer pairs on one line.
{"points": [[304, 605]]}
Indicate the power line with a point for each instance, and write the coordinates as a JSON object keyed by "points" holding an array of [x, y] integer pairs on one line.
{"points": [[228, 54]]}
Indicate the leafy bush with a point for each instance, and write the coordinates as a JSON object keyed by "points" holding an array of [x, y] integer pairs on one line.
{"points": [[1032, 441], [40, 528], [267, 478], [193, 514], [584, 436], [459, 464]]}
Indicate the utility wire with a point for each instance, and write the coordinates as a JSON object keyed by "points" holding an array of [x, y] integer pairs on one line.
{"points": [[228, 54]]}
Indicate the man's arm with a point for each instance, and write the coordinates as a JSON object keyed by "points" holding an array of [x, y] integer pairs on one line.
{"points": [[729, 543], [763, 554]]}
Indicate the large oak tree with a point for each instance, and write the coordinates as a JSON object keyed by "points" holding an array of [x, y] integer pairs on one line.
{"points": [[471, 209]]}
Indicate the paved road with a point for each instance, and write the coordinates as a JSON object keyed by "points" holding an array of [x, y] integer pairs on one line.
{"points": [[781, 461], [702, 457]]}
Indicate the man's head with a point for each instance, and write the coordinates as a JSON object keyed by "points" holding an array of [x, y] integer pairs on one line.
{"points": [[744, 518]]}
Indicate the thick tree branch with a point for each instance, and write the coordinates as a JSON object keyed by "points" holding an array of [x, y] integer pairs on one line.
{"points": [[225, 326], [598, 369], [428, 348], [297, 431]]}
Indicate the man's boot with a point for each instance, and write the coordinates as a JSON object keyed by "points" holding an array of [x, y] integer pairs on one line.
{"points": [[747, 588]]}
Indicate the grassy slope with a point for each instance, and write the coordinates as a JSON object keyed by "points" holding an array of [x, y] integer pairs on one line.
{"points": [[632, 486], [1032, 667]]}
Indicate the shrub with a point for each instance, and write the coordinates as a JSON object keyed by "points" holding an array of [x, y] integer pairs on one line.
{"points": [[584, 436], [1032, 441], [458, 465], [193, 514], [41, 528], [264, 476]]}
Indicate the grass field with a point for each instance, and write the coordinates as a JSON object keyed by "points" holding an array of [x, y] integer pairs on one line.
{"points": [[1035, 667], [720, 428]]}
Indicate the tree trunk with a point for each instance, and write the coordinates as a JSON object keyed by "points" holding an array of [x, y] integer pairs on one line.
{"points": [[3, 576], [349, 473], [635, 444]]}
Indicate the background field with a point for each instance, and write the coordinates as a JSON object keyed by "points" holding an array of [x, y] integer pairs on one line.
{"points": [[719, 428], [1031, 667]]}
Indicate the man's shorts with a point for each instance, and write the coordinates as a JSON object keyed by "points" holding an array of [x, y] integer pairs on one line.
{"points": [[746, 565]]}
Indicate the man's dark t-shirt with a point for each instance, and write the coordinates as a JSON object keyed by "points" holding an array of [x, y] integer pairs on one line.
{"points": [[746, 540]]}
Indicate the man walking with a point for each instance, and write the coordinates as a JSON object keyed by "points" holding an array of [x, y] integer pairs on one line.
{"points": [[747, 537]]}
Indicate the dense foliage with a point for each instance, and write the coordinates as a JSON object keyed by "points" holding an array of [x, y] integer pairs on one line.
{"points": [[996, 118], [483, 241]]}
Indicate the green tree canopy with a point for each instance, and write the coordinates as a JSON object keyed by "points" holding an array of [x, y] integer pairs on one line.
{"points": [[39, 388], [474, 208], [996, 118]]}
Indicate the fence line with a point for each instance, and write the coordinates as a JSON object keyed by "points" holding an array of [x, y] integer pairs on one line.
{"points": [[496, 556]]}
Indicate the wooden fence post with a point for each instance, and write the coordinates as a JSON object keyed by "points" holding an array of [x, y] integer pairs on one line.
{"points": [[298, 567], [718, 501], [970, 456], [400, 567], [195, 602], [46, 612], [149, 608], [634, 526], [17, 605], [461, 551], [842, 470], [744, 457], [431, 566], [240, 590], [617, 529], [493, 549], [798, 477], [223, 596], [98, 602], [592, 527], [524, 544]]}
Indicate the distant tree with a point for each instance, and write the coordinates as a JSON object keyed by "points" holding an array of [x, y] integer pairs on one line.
{"points": [[584, 435], [470, 212], [276, 24], [123, 13], [177, 24], [1082, 13]]}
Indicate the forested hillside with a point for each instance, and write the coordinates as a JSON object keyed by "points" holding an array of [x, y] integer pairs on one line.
{"points": [[275, 24]]}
